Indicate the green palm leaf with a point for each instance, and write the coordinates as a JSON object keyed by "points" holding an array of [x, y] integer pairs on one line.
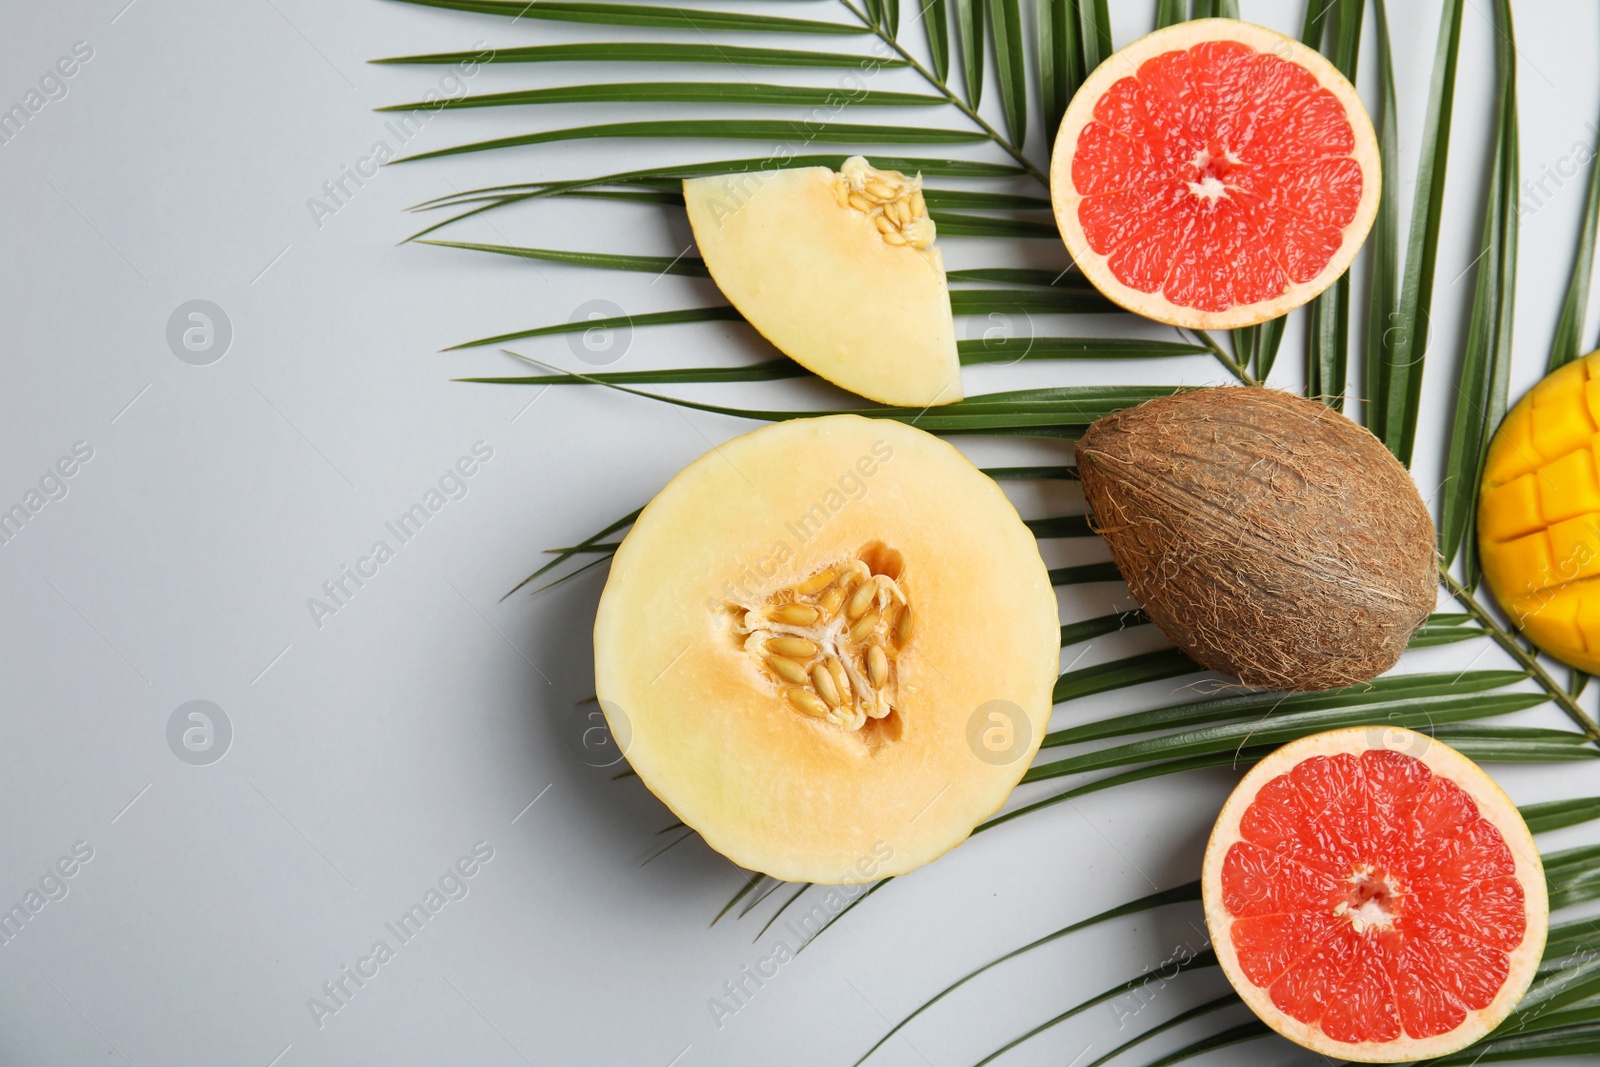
{"points": [[719, 54], [607, 14], [953, 225], [682, 265], [1068, 279], [936, 24], [1280, 729], [1094, 31], [982, 201], [1328, 316], [1559, 814], [1400, 358], [1178, 965], [1567, 345], [680, 93], [1060, 59], [1089, 629], [778, 130], [1059, 301], [1486, 362], [771, 370], [1383, 256], [1182, 894], [1207, 1008], [969, 34], [1008, 349], [954, 168], [1120, 673], [1390, 693], [1005, 22], [650, 318]]}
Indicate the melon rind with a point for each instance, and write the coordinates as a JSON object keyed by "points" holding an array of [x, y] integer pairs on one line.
{"points": [[1065, 198], [1493, 804], [815, 278], [798, 798]]}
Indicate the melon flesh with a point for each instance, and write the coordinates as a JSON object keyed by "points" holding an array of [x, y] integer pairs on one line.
{"points": [[768, 773], [838, 289]]}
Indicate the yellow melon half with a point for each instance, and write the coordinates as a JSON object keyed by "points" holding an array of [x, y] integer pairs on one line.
{"points": [[829, 647], [839, 271]]}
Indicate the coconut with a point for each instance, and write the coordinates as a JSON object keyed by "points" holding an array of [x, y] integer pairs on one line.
{"points": [[1271, 538]]}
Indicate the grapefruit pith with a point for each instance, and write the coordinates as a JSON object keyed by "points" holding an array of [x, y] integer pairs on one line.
{"points": [[1214, 174], [1374, 896]]}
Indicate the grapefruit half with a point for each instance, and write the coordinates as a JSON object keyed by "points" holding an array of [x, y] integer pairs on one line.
{"points": [[1374, 896], [1214, 174]]}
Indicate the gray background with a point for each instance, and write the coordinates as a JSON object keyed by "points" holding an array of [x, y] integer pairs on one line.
{"points": [[370, 753]]}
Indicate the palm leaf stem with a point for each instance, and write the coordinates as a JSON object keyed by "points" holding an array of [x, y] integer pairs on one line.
{"points": [[1526, 660], [1000, 139], [1239, 370]]}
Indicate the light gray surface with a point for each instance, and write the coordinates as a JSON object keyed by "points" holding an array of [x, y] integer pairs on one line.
{"points": [[371, 752]]}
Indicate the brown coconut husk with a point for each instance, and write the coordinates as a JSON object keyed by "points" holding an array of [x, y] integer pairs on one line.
{"points": [[1267, 535]]}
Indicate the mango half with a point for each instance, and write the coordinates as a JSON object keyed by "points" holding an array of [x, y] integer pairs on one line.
{"points": [[839, 271], [829, 647], [1539, 514]]}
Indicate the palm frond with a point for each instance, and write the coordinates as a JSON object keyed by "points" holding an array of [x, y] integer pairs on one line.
{"points": [[1397, 382], [1383, 250], [654, 52], [779, 130], [969, 35], [1280, 729], [1183, 894], [608, 14], [1060, 55], [1005, 22], [1094, 32], [1177, 966], [1328, 316], [678, 92], [688, 266], [1486, 361], [723, 313]]}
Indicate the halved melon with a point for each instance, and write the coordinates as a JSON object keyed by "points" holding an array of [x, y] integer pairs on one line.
{"points": [[829, 646], [839, 271]]}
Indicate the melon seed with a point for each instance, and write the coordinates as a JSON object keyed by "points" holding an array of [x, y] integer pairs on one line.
{"points": [[860, 600], [787, 669], [807, 702], [877, 666], [823, 680], [793, 647], [793, 614], [863, 626]]}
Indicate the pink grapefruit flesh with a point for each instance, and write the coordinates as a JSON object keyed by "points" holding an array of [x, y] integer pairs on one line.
{"points": [[1374, 896], [1214, 174]]}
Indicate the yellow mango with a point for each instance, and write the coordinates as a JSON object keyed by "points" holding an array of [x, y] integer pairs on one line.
{"points": [[1539, 514]]}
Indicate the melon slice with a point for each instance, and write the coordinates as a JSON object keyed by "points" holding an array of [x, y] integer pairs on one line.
{"points": [[1372, 895], [1214, 174], [829, 647], [839, 271]]}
